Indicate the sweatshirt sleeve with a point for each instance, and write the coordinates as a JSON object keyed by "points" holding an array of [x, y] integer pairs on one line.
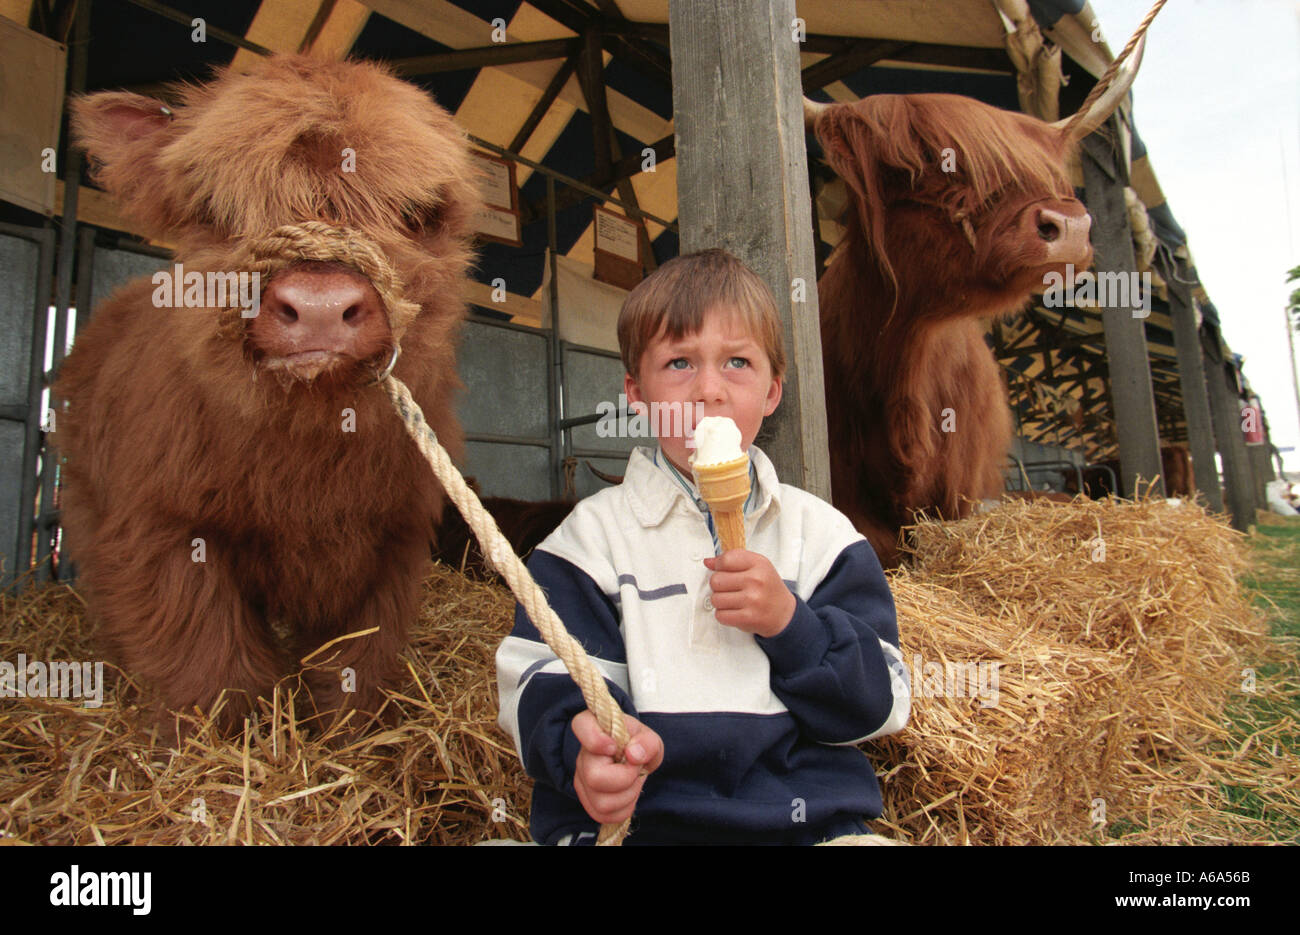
{"points": [[539, 698], [837, 666]]}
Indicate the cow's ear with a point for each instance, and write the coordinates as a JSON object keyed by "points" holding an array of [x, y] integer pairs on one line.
{"points": [[851, 143], [847, 143], [122, 134]]}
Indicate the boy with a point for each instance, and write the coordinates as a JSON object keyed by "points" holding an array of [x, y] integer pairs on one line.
{"points": [[746, 676]]}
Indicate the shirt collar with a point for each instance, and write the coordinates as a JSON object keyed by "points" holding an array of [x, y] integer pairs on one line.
{"points": [[653, 486]]}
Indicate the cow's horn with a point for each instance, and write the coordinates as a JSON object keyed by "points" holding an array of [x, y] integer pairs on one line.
{"points": [[812, 110], [1081, 124]]}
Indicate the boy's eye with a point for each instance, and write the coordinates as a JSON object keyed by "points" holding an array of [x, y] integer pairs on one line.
{"points": [[739, 362], [673, 364]]}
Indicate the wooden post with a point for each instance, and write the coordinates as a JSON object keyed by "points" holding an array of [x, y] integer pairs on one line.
{"points": [[1191, 376], [742, 184], [1261, 472], [1261, 459], [1126, 341], [1225, 408]]}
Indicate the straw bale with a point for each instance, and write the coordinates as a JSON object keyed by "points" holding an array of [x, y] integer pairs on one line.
{"points": [[1123, 636]]}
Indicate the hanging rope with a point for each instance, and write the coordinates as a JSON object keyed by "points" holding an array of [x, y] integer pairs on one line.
{"points": [[498, 551]]}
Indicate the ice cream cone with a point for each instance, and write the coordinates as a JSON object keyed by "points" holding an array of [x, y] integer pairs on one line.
{"points": [[725, 488]]}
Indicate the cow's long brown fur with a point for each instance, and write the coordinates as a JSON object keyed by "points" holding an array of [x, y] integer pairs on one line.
{"points": [[173, 436], [905, 295]]}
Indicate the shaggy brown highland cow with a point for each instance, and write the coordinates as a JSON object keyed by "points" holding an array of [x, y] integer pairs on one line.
{"points": [[914, 397], [238, 491], [957, 211]]}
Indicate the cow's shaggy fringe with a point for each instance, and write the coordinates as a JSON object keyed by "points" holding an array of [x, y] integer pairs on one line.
{"points": [[1116, 677]]}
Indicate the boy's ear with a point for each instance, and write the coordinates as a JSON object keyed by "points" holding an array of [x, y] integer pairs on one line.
{"points": [[122, 134], [773, 397], [630, 389]]}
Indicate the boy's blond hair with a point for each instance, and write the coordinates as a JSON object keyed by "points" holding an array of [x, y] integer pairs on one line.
{"points": [[674, 299]]}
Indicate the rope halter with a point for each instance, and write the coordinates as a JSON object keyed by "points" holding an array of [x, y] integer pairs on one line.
{"points": [[317, 240]]}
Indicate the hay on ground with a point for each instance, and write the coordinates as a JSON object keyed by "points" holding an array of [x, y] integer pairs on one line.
{"points": [[71, 774]]}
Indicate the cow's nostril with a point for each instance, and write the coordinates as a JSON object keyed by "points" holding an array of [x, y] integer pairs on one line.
{"points": [[288, 313], [1048, 232], [351, 314]]}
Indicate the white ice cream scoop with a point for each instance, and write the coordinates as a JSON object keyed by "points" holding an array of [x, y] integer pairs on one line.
{"points": [[722, 474], [717, 441]]}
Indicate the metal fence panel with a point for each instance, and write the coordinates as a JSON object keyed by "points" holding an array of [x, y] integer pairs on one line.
{"points": [[592, 381], [19, 272], [504, 372], [18, 267], [521, 472], [1049, 476]]}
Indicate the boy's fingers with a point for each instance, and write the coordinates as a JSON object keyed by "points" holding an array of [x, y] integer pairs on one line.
{"points": [[645, 749], [732, 560], [587, 729], [725, 581], [612, 778], [615, 806], [729, 600]]}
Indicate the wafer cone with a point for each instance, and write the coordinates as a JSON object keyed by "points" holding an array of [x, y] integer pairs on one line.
{"points": [[725, 488]]}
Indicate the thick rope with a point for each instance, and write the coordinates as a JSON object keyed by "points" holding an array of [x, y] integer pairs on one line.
{"points": [[498, 551], [1108, 76]]}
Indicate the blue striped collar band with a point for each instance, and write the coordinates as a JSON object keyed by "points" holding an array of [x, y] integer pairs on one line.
{"points": [[688, 482]]}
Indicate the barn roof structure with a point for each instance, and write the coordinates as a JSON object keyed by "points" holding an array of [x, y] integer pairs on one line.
{"points": [[523, 78]]}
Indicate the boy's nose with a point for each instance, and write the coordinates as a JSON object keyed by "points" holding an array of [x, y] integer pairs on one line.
{"points": [[709, 384]]}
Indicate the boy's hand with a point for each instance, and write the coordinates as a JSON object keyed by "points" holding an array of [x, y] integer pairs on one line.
{"points": [[748, 594], [608, 790]]}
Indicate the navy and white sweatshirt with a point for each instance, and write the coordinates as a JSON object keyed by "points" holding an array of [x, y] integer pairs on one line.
{"points": [[757, 732]]}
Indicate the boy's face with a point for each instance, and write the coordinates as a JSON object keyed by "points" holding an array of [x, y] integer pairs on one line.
{"points": [[722, 367]]}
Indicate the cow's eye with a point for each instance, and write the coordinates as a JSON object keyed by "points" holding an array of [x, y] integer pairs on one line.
{"points": [[419, 219]]}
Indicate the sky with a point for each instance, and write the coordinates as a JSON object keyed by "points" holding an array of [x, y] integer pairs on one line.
{"points": [[1217, 103]]}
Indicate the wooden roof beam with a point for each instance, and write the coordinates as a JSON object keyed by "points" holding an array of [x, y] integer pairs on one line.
{"points": [[580, 18], [917, 53], [591, 75], [625, 168], [340, 23], [862, 54], [457, 28], [551, 92], [488, 56]]}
